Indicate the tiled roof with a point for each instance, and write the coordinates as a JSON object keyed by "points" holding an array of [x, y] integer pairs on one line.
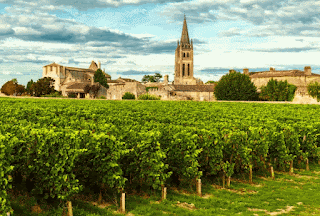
{"points": [[80, 69], [78, 85], [194, 88], [52, 64], [278, 73], [112, 81], [127, 80]]}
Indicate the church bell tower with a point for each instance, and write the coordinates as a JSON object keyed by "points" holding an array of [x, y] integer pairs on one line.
{"points": [[183, 74]]}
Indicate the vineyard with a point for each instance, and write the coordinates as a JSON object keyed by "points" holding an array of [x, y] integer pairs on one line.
{"points": [[61, 147]]}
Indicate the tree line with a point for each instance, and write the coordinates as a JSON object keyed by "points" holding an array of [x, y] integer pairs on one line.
{"points": [[45, 87]]}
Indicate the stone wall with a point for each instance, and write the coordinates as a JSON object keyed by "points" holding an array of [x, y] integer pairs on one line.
{"points": [[197, 96], [300, 81], [115, 92]]}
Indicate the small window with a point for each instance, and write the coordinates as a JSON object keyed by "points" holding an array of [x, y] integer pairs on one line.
{"points": [[187, 54], [184, 54]]}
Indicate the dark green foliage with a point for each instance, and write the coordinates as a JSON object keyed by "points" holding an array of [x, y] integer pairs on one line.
{"points": [[150, 78], [314, 90], [100, 77], [92, 89], [291, 90], [278, 91], [128, 95], [210, 81], [72, 95], [147, 88], [43, 86], [28, 89], [236, 86]]}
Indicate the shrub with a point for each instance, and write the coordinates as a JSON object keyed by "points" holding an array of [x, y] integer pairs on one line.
{"points": [[278, 91], [147, 88], [314, 90], [128, 95], [72, 95], [235, 86], [148, 97], [102, 97]]}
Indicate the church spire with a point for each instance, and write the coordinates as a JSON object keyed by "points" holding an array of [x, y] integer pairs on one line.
{"points": [[185, 35]]}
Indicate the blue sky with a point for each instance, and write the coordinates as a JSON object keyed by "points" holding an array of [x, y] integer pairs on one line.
{"points": [[132, 38]]}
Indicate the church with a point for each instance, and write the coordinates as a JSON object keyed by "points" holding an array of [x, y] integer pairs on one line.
{"points": [[184, 87]]}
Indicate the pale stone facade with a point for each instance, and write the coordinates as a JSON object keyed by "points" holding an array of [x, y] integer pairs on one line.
{"points": [[71, 79], [299, 78]]}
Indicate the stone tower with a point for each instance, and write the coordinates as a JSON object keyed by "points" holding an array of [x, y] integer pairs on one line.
{"points": [[183, 74]]}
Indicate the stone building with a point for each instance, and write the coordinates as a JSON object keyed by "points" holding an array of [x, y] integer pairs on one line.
{"points": [[72, 79], [183, 74], [299, 78], [118, 87]]}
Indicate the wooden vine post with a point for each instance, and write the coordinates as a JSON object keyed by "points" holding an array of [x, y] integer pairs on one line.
{"points": [[272, 172], [199, 187], [123, 203], [307, 165], [163, 193], [250, 174], [291, 167], [223, 180], [69, 204], [228, 181]]}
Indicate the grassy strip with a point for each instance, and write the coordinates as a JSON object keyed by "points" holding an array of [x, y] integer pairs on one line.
{"points": [[286, 195]]}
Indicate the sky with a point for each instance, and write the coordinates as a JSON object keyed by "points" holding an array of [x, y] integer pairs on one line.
{"points": [[133, 38]]}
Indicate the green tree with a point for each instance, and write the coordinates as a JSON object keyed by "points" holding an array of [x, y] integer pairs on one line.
{"points": [[314, 90], [29, 84], [150, 78], [100, 77], [236, 86], [43, 86], [211, 82], [277, 91], [92, 89]]}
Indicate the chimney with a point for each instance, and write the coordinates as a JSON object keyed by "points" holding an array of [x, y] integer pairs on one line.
{"points": [[99, 65], [166, 80], [272, 69], [307, 70], [246, 71]]}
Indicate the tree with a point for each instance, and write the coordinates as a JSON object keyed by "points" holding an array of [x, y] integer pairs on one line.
{"points": [[100, 77], [236, 86], [150, 78], [211, 82], [28, 89], [92, 90], [314, 90], [12, 88], [43, 86], [277, 91]]}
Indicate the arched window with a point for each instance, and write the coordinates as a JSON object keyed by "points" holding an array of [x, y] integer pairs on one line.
{"points": [[183, 69], [184, 54], [188, 69], [187, 54]]}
